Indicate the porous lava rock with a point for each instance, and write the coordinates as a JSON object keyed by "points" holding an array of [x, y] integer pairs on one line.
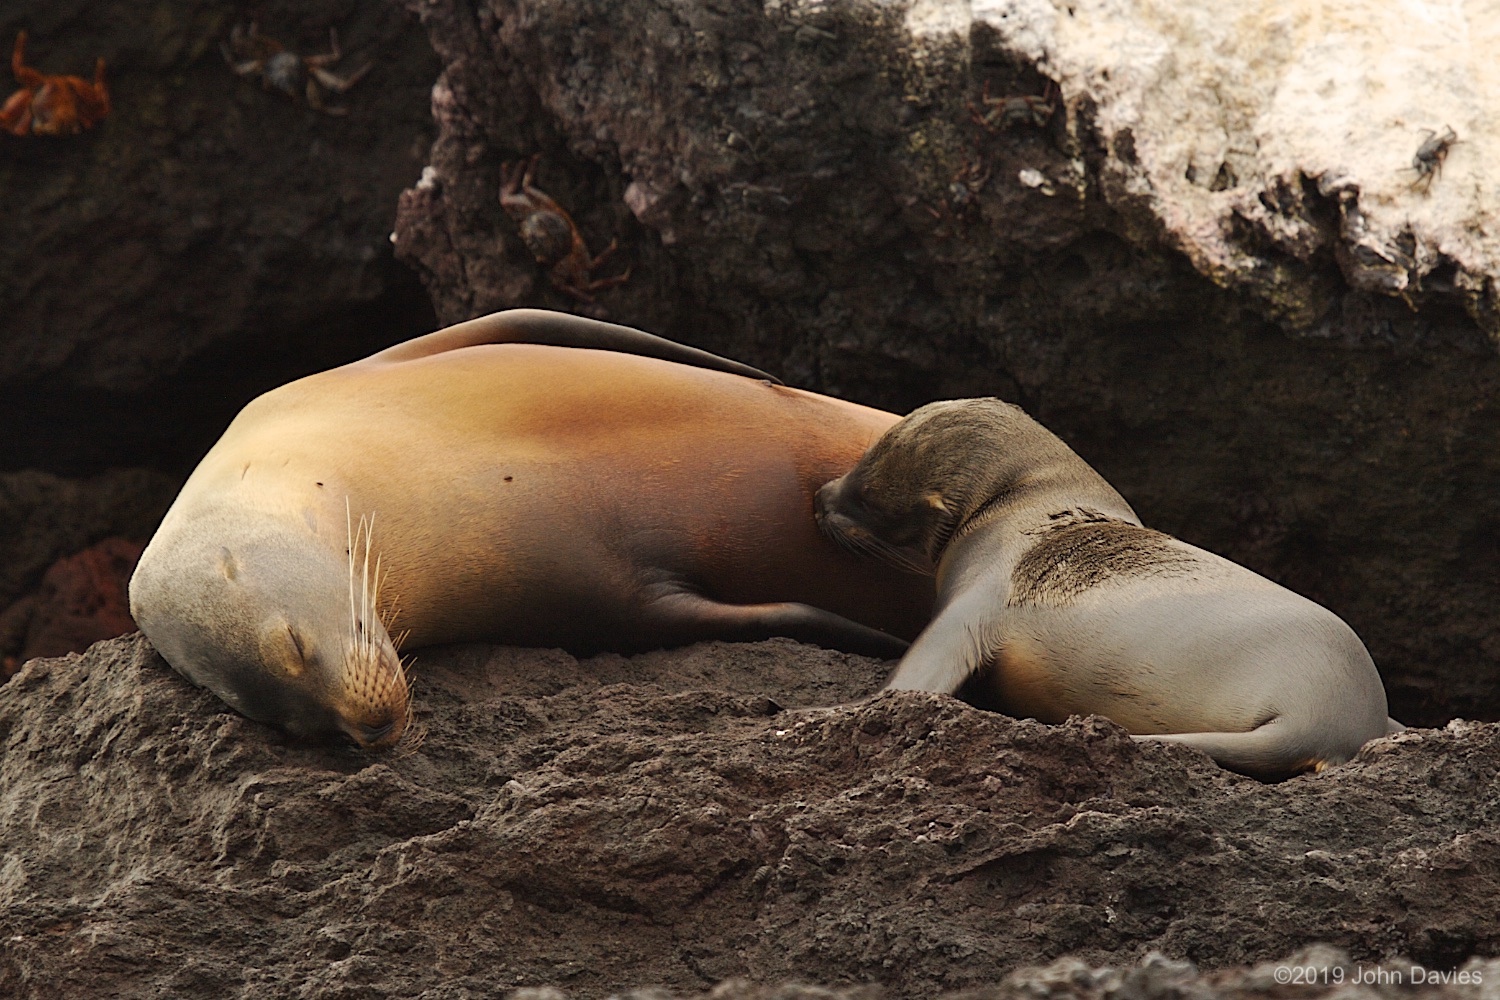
{"points": [[1146, 225], [678, 818]]}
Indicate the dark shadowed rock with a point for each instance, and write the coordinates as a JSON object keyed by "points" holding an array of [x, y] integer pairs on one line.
{"points": [[668, 819], [208, 239], [44, 517]]}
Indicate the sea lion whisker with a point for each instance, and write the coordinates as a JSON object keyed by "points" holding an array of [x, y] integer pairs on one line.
{"points": [[859, 544], [361, 633], [879, 548], [415, 735], [361, 599], [390, 612], [365, 606], [372, 613], [349, 551], [845, 541], [865, 545], [903, 559]]}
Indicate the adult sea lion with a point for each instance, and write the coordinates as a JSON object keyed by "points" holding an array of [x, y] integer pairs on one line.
{"points": [[1054, 598], [485, 483]]}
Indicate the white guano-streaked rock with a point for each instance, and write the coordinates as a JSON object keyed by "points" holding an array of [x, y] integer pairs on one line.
{"points": [[1231, 122]]}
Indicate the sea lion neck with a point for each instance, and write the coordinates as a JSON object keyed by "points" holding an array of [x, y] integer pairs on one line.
{"points": [[1011, 494]]}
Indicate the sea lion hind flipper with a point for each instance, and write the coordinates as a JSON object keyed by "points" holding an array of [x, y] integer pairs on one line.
{"points": [[1269, 752], [559, 329], [697, 618]]}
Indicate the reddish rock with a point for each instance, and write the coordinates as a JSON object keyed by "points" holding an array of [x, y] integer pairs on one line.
{"points": [[82, 600], [15, 621]]}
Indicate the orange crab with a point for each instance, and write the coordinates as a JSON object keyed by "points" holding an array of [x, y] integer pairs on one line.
{"points": [[52, 105]]}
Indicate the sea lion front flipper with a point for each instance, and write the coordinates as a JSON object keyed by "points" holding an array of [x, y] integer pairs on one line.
{"points": [[559, 329], [697, 618], [950, 650]]}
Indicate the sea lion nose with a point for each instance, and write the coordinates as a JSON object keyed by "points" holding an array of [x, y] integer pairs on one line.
{"points": [[820, 503], [370, 736]]}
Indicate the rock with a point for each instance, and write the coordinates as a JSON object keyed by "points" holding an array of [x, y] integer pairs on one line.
{"points": [[614, 823], [1267, 145], [1313, 972], [82, 600], [15, 624], [44, 517], [1220, 286]]}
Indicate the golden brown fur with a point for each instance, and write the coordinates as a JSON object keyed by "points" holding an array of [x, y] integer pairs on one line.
{"points": [[519, 493]]}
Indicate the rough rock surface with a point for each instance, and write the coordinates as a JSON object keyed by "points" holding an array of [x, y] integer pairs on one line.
{"points": [[1285, 135], [804, 185], [1315, 972], [666, 819]]}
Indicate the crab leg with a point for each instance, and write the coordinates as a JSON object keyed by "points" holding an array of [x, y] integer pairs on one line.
{"points": [[335, 82], [25, 76], [15, 116]]}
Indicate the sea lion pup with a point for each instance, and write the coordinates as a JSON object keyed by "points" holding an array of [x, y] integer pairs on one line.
{"points": [[496, 486], [1051, 591]]}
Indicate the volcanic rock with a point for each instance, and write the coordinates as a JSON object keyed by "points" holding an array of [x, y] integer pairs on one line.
{"points": [[685, 817]]}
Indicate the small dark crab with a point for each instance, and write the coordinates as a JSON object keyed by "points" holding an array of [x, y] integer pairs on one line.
{"points": [[1428, 161], [249, 53], [961, 198], [1002, 113], [551, 235]]}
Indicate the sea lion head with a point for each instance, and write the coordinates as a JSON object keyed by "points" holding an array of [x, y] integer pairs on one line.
{"points": [[924, 479], [275, 623]]}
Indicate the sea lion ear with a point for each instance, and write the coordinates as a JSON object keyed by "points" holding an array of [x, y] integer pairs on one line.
{"points": [[935, 501]]}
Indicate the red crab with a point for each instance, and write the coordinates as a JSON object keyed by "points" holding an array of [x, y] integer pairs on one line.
{"points": [[52, 105]]}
